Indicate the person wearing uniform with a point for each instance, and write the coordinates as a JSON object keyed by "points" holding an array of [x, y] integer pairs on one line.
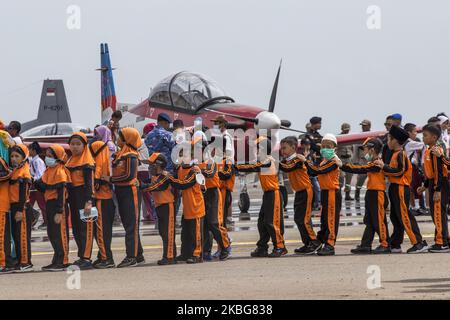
{"points": [[345, 153], [301, 184], [163, 196], [328, 176], [213, 221], [375, 200], [270, 220], [226, 172], [436, 182], [161, 140], [399, 173], [124, 179], [104, 202], [54, 184], [193, 206], [5, 235], [19, 194], [227, 178], [81, 166]]}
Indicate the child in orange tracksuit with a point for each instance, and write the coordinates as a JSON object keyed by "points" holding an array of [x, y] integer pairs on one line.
{"points": [[193, 208], [435, 170], [270, 220], [124, 178], [19, 192], [375, 200], [81, 166], [399, 173], [213, 221], [227, 179], [301, 184], [163, 197], [103, 195], [54, 183], [328, 175], [5, 235]]}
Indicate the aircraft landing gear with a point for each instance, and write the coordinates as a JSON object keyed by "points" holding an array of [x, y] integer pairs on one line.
{"points": [[244, 200]]}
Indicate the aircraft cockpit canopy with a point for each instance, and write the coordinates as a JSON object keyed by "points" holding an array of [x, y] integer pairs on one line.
{"points": [[185, 90]]}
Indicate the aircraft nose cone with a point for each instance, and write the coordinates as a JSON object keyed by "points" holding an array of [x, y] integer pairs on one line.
{"points": [[267, 120]]}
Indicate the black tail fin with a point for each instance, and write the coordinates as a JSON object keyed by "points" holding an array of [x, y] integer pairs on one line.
{"points": [[53, 106]]}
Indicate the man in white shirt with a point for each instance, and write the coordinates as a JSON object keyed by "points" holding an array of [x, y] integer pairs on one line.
{"points": [[37, 168], [220, 123], [444, 123], [14, 128], [415, 150]]}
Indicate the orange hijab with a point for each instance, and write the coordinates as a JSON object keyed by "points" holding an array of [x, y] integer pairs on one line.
{"points": [[132, 140], [23, 170], [58, 173], [85, 158], [100, 152]]}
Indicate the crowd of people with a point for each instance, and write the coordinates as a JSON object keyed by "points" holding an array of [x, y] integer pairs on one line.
{"points": [[83, 191]]}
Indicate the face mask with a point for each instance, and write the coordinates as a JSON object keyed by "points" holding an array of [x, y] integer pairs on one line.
{"points": [[291, 157], [327, 153], [368, 157], [50, 162]]}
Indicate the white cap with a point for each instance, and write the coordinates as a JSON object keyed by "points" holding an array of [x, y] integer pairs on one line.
{"points": [[330, 137], [442, 119]]}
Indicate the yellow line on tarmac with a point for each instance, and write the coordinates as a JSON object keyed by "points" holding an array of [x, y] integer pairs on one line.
{"points": [[235, 244]]}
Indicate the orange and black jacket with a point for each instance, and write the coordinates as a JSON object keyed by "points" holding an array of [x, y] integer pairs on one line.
{"points": [[211, 173], [268, 175], [100, 152], [5, 175], [19, 186], [20, 181], [399, 169], [327, 173], [126, 161], [55, 180], [226, 175], [161, 189], [125, 170], [192, 195], [82, 168], [376, 178], [445, 160], [435, 171], [297, 174]]}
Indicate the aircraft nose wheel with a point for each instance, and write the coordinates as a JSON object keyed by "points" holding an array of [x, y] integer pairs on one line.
{"points": [[244, 205]]}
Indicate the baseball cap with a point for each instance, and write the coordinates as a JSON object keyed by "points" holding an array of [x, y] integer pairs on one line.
{"points": [[315, 120], [165, 117], [372, 143]]}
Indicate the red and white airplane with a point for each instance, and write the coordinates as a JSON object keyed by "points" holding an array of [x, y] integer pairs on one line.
{"points": [[188, 96]]}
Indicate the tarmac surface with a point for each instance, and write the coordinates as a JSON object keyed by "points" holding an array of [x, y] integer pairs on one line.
{"points": [[344, 276]]}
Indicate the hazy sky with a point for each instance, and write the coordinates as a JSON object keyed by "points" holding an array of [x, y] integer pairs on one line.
{"points": [[333, 65]]}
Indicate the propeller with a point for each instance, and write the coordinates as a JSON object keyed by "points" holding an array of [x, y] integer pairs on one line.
{"points": [[290, 129], [273, 97]]}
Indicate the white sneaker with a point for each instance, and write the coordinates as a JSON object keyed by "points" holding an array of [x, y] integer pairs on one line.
{"points": [[396, 250]]}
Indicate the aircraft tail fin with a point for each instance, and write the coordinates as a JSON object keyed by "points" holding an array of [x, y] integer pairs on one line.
{"points": [[53, 105], [108, 93]]}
